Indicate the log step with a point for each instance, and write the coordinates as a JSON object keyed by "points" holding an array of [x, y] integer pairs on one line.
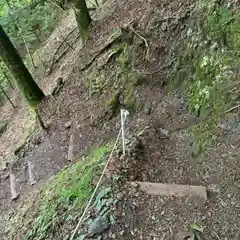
{"points": [[161, 189]]}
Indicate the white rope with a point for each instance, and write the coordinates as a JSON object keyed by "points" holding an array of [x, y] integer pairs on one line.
{"points": [[99, 181]]}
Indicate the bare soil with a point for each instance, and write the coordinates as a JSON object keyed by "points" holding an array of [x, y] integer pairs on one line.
{"points": [[165, 160]]}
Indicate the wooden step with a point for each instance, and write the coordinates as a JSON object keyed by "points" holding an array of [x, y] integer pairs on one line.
{"points": [[162, 189]]}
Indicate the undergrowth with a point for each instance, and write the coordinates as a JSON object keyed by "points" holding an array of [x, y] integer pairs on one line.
{"points": [[207, 66], [62, 199]]}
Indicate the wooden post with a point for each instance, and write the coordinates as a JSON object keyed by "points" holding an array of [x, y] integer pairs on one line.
{"points": [[30, 173], [14, 194], [70, 148]]}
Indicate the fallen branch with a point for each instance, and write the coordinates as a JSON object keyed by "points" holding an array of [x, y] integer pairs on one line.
{"points": [[231, 109], [54, 55], [144, 39], [99, 53], [167, 65]]}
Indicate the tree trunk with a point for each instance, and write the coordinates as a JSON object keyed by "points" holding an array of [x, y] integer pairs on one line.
{"points": [[82, 17], [6, 76], [6, 95], [27, 86]]}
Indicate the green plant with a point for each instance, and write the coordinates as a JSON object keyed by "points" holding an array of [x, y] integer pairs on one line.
{"points": [[66, 194], [206, 66]]}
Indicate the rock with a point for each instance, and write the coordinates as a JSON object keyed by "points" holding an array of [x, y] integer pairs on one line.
{"points": [[119, 196], [113, 236], [163, 133], [99, 225], [49, 122], [68, 124], [134, 184], [214, 188], [164, 26]]}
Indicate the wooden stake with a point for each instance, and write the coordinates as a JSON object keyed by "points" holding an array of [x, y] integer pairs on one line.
{"points": [[70, 148], [30, 173], [14, 194]]}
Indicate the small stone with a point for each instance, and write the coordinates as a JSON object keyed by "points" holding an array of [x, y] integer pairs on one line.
{"points": [[214, 188], [162, 213], [153, 218], [164, 26], [134, 184], [134, 204], [99, 225], [132, 232], [229, 195], [113, 236], [163, 133], [68, 124], [49, 122], [120, 196], [122, 233]]}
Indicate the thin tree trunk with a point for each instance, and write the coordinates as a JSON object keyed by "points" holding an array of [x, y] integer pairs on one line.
{"points": [[40, 59], [27, 86], [6, 95], [8, 80], [19, 30], [40, 120], [37, 36], [6, 76], [82, 17], [29, 53]]}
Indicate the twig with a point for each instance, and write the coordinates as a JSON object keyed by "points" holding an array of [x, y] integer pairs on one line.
{"points": [[167, 65], [96, 188], [55, 4], [61, 35], [107, 81], [215, 234], [37, 53], [54, 55], [99, 53], [144, 39], [212, 232], [231, 109]]}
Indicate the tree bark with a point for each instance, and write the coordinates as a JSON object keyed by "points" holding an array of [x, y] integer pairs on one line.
{"points": [[27, 86], [82, 17], [6, 95]]}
